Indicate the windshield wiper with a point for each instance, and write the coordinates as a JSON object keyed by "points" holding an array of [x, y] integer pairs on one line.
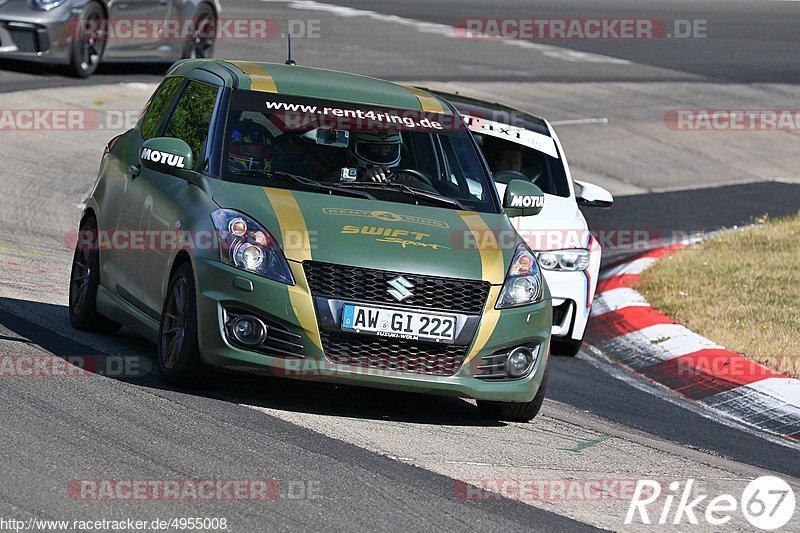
{"points": [[306, 182], [410, 191]]}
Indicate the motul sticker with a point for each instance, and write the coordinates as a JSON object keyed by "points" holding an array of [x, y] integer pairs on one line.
{"points": [[527, 201], [164, 158]]}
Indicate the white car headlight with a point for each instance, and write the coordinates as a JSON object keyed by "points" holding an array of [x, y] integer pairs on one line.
{"points": [[564, 260], [524, 284], [245, 244], [47, 5]]}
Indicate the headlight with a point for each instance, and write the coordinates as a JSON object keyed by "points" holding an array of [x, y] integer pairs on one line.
{"points": [[523, 285], [564, 260], [47, 5], [245, 244]]}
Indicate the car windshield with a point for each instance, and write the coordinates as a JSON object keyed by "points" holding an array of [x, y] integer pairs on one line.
{"points": [[389, 154], [520, 152]]}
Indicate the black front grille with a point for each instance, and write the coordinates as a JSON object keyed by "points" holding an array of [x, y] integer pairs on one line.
{"points": [[393, 354], [366, 285]]}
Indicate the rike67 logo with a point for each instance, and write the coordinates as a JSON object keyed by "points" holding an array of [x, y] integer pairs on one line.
{"points": [[767, 502]]}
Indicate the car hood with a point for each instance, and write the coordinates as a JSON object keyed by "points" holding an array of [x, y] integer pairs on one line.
{"points": [[380, 235], [559, 225]]}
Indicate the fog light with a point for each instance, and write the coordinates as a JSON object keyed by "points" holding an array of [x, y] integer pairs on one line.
{"points": [[520, 362], [249, 330]]}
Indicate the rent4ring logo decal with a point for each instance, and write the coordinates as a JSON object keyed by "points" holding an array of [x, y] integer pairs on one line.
{"points": [[385, 215], [164, 158], [767, 502]]}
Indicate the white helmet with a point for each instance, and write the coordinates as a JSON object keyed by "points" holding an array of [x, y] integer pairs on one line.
{"points": [[379, 149]]}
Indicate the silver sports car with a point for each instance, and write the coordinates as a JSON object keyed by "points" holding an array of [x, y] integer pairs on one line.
{"points": [[81, 33]]}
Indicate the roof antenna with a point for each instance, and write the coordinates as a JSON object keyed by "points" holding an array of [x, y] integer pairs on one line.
{"points": [[289, 60]]}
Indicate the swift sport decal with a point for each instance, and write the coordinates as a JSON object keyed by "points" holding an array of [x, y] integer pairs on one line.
{"points": [[402, 237]]}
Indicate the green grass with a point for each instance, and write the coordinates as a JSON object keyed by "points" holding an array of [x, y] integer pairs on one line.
{"points": [[741, 290]]}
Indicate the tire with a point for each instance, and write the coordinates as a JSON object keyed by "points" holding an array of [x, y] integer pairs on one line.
{"points": [[516, 411], [88, 41], [178, 346], [204, 28], [84, 280], [567, 347]]}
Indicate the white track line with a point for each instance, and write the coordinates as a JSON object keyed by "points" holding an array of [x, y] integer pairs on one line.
{"points": [[444, 30]]}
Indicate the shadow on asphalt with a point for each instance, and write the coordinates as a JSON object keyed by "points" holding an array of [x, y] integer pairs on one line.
{"points": [[109, 69], [269, 392]]}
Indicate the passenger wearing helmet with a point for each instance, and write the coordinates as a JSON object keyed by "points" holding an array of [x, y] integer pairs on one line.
{"points": [[250, 147]]}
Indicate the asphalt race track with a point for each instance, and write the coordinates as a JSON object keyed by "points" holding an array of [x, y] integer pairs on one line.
{"points": [[352, 459]]}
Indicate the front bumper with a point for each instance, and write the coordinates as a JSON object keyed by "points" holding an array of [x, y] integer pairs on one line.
{"points": [[38, 36], [221, 286]]}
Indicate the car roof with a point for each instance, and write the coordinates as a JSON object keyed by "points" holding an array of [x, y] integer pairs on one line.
{"points": [[311, 82], [495, 111]]}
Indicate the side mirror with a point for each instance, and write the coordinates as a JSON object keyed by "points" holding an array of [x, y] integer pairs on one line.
{"points": [[167, 155], [591, 195], [522, 199]]}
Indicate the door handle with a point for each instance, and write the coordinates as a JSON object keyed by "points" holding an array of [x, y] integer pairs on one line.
{"points": [[135, 170]]}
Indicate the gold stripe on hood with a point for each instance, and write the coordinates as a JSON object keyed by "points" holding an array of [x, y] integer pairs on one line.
{"points": [[296, 248], [493, 268], [294, 233]]}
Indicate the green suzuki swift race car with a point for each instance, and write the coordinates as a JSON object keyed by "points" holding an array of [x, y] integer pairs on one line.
{"points": [[313, 224]]}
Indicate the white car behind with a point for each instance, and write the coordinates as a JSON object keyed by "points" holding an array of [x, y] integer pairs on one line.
{"points": [[518, 145]]}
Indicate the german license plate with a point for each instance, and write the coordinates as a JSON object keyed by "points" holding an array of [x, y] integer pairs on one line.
{"points": [[394, 323]]}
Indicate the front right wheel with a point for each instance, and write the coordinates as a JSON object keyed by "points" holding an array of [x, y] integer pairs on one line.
{"points": [[516, 411], [567, 347], [178, 346]]}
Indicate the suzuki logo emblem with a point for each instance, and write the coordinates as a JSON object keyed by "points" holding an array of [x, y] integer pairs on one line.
{"points": [[400, 288]]}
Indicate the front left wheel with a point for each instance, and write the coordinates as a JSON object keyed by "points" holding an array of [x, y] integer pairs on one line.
{"points": [[178, 346]]}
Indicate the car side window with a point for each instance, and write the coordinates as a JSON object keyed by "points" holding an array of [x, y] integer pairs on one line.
{"points": [[192, 117], [158, 107]]}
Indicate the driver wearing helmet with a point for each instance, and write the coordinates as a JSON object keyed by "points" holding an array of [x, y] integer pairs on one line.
{"points": [[375, 154], [250, 147]]}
